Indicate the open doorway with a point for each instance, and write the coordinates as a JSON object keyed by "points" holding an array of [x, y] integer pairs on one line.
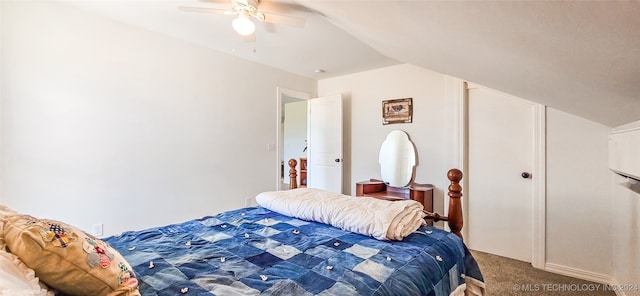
{"points": [[291, 132]]}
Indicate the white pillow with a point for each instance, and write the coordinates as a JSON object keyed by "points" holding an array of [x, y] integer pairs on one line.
{"points": [[18, 279]]}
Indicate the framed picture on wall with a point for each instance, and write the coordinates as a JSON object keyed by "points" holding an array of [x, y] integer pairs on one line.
{"points": [[397, 111]]}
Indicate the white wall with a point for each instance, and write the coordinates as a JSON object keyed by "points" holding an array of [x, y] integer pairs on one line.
{"points": [[1, 92], [626, 231], [579, 207], [364, 132], [107, 123]]}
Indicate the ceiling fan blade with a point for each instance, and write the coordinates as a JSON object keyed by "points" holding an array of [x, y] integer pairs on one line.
{"points": [[281, 19], [281, 7], [205, 10]]}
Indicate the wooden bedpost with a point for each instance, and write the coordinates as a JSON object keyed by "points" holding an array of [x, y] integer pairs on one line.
{"points": [[293, 176], [455, 221]]}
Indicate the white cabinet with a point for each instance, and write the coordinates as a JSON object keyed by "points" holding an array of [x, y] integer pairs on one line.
{"points": [[624, 150]]}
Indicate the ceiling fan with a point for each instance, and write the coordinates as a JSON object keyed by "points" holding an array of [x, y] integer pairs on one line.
{"points": [[245, 10]]}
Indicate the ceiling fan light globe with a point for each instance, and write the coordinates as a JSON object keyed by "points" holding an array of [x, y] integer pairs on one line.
{"points": [[243, 25]]}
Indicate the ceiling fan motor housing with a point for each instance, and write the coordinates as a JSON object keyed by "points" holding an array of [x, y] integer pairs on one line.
{"points": [[248, 5]]}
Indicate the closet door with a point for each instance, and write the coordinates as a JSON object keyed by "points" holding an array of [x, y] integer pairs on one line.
{"points": [[501, 161]]}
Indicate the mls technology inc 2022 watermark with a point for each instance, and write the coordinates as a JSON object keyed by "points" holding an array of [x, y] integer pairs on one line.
{"points": [[574, 287]]}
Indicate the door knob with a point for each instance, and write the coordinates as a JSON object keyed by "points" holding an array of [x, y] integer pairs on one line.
{"points": [[526, 175], [337, 160]]}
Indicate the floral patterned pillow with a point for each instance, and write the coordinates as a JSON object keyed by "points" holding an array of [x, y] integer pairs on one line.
{"points": [[67, 259]]}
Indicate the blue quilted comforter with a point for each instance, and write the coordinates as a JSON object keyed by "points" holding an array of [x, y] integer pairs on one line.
{"points": [[254, 251]]}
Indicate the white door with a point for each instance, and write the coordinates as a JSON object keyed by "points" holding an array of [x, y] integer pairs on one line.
{"points": [[501, 149], [324, 163]]}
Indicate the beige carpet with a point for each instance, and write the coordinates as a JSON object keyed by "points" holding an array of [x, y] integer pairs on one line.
{"points": [[504, 276]]}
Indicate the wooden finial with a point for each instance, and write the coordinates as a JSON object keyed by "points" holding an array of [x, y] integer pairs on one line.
{"points": [[455, 204], [455, 190], [293, 176]]}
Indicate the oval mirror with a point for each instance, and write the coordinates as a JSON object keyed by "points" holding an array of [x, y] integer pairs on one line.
{"points": [[397, 159]]}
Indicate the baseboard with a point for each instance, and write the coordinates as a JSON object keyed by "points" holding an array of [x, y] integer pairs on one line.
{"points": [[618, 292], [578, 273], [588, 276]]}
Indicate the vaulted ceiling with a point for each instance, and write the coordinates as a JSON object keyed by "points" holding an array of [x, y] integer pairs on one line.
{"points": [[581, 57]]}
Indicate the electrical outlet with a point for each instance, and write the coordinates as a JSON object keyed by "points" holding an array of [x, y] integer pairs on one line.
{"points": [[97, 229], [248, 201]]}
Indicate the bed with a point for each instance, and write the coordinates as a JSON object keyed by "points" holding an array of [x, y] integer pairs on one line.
{"points": [[257, 251]]}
